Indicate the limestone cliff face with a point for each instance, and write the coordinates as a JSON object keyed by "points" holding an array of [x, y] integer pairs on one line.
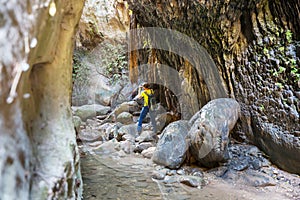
{"points": [[255, 45], [101, 44], [102, 20], [38, 151]]}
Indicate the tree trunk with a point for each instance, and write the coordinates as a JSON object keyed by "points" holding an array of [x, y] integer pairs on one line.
{"points": [[38, 152], [255, 46]]}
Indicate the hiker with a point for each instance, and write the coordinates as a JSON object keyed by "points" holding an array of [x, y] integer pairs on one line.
{"points": [[146, 108]]}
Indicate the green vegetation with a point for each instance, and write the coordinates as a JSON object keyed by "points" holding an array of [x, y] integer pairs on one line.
{"points": [[279, 85], [289, 36], [282, 50], [115, 61], [112, 63], [262, 107], [80, 76], [80, 72]]}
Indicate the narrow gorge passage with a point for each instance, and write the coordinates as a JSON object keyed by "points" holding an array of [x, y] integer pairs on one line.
{"points": [[229, 65], [227, 82]]}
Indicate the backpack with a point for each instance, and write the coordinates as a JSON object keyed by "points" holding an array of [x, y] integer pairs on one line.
{"points": [[151, 101]]}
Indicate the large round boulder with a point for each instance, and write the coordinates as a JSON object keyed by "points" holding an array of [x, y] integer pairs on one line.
{"points": [[210, 129]]}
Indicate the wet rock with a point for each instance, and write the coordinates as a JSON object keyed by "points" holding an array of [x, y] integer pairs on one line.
{"points": [[210, 131], [172, 146], [89, 111]]}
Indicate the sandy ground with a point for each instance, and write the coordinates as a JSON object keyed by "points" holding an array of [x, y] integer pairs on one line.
{"points": [[129, 177]]}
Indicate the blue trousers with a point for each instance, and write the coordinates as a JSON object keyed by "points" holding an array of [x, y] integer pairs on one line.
{"points": [[143, 114]]}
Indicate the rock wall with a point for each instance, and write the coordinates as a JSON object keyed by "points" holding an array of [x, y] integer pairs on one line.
{"points": [[255, 45], [102, 20], [100, 52], [38, 151]]}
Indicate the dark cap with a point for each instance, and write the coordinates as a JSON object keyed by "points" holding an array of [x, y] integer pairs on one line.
{"points": [[146, 85]]}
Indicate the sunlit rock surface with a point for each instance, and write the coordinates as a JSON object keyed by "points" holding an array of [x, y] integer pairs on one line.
{"points": [[100, 43], [210, 129]]}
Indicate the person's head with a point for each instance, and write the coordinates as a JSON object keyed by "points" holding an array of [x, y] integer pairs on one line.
{"points": [[146, 85]]}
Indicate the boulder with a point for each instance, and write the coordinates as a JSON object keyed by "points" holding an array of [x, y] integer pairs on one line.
{"points": [[192, 181], [146, 136], [91, 136], [130, 107], [210, 129], [148, 153], [164, 119], [127, 146], [142, 146], [89, 111], [172, 146], [104, 96], [107, 148], [77, 123], [126, 130], [125, 118], [108, 129], [282, 147]]}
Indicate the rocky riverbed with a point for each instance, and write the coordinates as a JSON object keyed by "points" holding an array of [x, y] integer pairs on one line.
{"points": [[123, 169], [132, 176]]}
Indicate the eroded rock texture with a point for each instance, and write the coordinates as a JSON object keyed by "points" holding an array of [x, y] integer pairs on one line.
{"points": [[38, 152], [210, 128], [255, 45]]}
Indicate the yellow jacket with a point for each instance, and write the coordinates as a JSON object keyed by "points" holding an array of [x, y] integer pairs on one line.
{"points": [[145, 96]]}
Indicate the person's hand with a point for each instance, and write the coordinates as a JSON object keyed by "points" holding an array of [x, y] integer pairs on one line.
{"points": [[135, 98]]}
